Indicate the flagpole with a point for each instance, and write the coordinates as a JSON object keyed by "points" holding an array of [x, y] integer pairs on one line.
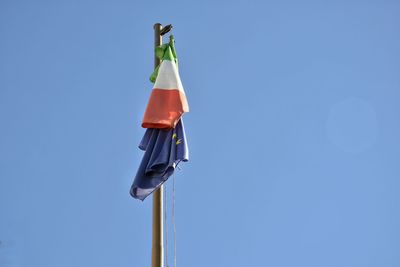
{"points": [[157, 252]]}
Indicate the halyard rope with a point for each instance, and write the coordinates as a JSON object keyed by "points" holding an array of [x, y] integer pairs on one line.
{"points": [[165, 223], [173, 221], [173, 217]]}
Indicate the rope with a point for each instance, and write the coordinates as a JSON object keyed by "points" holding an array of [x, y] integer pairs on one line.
{"points": [[173, 221], [166, 228], [173, 217]]}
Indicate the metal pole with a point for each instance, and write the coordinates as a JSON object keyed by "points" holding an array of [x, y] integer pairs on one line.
{"points": [[157, 252]]}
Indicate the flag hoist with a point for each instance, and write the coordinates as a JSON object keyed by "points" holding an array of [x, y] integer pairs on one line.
{"points": [[164, 141]]}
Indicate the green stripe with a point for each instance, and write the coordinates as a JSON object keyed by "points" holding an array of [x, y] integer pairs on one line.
{"points": [[168, 54], [165, 52]]}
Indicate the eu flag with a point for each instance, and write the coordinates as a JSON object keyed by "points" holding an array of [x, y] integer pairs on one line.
{"points": [[164, 149]]}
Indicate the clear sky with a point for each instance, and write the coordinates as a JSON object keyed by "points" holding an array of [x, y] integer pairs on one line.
{"points": [[293, 132]]}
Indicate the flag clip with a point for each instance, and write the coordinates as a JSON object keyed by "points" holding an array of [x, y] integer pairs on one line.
{"points": [[166, 29]]}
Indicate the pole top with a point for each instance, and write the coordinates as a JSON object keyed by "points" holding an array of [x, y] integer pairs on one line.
{"points": [[166, 29], [163, 30]]}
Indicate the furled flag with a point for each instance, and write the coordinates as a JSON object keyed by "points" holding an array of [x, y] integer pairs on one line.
{"points": [[163, 151], [168, 101], [164, 142]]}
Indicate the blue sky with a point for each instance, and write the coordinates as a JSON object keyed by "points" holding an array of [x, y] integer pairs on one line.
{"points": [[293, 132]]}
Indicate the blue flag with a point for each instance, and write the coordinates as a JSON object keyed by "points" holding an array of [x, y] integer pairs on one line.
{"points": [[164, 149]]}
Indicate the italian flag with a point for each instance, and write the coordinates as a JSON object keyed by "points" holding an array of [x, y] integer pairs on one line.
{"points": [[168, 101]]}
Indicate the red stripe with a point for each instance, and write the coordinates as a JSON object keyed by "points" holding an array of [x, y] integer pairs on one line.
{"points": [[165, 108]]}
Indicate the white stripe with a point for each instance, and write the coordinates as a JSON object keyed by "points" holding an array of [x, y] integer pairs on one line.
{"points": [[168, 76]]}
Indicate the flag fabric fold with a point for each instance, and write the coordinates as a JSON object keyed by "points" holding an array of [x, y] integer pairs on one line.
{"points": [[168, 100], [164, 150]]}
